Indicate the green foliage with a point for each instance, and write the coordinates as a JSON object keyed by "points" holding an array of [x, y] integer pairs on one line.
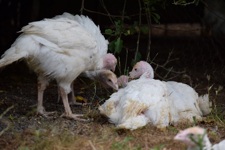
{"points": [[124, 145], [116, 44], [117, 33], [159, 147]]}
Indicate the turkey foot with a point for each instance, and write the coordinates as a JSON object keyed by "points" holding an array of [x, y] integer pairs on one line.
{"points": [[68, 113], [75, 117], [41, 111], [79, 103]]}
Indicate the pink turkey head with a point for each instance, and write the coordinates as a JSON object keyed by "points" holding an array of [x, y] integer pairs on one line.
{"points": [[123, 80], [140, 68], [109, 62]]}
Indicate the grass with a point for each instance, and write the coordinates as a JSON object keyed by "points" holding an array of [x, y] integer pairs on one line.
{"points": [[30, 132], [54, 135]]}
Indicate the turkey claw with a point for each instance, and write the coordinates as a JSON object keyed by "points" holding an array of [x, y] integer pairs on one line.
{"points": [[79, 104], [75, 117], [45, 113]]}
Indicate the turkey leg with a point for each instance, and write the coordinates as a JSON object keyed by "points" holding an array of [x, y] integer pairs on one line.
{"points": [[68, 113], [42, 84]]}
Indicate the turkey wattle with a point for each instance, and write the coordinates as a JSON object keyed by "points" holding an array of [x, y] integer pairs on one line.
{"points": [[59, 49]]}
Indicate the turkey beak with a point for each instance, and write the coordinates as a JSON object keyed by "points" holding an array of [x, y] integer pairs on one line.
{"points": [[130, 75], [116, 87]]}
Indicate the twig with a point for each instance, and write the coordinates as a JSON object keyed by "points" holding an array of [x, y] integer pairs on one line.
{"points": [[139, 32], [8, 124], [92, 145], [179, 2], [82, 7], [149, 20], [8, 109], [103, 5], [126, 62]]}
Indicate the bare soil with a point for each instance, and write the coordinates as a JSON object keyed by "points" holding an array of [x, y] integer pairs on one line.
{"points": [[26, 130]]}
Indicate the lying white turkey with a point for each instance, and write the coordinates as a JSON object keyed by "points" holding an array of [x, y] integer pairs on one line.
{"points": [[184, 100], [59, 49], [181, 104], [142, 101], [196, 139]]}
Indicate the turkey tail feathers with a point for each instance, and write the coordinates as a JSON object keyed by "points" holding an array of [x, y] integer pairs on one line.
{"points": [[11, 56], [204, 104]]}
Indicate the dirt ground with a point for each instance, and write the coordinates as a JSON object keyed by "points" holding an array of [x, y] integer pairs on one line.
{"points": [[26, 130]]}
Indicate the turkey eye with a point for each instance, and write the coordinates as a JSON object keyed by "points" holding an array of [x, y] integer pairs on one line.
{"points": [[109, 80], [135, 69]]}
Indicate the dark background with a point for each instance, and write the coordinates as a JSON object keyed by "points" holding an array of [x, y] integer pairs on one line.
{"points": [[205, 50], [14, 14]]}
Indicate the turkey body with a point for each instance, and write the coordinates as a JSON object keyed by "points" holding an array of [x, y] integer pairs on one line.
{"points": [[140, 102], [109, 62], [59, 49], [184, 104], [176, 102]]}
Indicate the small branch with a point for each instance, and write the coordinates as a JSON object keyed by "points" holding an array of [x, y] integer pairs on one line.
{"points": [[148, 15], [139, 33], [126, 69], [183, 3], [92, 145], [8, 124], [103, 5], [8, 109], [82, 7]]}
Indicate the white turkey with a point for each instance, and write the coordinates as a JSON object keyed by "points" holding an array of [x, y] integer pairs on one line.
{"points": [[142, 101], [184, 100], [177, 100], [59, 49], [110, 60], [196, 138]]}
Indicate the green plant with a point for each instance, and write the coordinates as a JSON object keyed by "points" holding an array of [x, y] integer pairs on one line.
{"points": [[122, 145]]}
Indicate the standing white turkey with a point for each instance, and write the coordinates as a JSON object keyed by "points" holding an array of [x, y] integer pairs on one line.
{"points": [[196, 139], [110, 60], [59, 49], [176, 102]]}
